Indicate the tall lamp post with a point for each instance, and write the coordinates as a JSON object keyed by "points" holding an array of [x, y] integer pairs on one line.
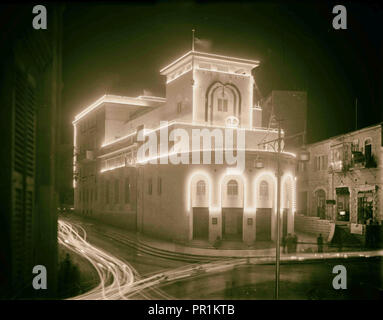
{"points": [[278, 246], [303, 156]]}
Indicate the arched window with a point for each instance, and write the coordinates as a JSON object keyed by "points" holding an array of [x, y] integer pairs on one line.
{"points": [[222, 100], [201, 188], [264, 189], [232, 188]]}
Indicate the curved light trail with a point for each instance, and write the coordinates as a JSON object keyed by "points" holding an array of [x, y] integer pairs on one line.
{"points": [[120, 281]]}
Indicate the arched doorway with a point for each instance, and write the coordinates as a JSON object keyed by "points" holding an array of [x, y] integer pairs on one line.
{"points": [[200, 208], [232, 209], [320, 202], [264, 194], [264, 212]]}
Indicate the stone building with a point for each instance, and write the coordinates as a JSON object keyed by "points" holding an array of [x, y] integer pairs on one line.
{"points": [[343, 181], [184, 200]]}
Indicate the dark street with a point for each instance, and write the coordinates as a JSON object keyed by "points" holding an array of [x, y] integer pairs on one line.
{"points": [[300, 280]]}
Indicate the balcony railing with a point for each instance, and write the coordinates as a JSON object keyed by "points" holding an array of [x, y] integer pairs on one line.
{"points": [[358, 161]]}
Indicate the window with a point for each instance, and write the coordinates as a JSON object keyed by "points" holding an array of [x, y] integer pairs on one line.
{"points": [[150, 186], [355, 145], [264, 189], [222, 105], [116, 191], [127, 190], [337, 158], [232, 188], [159, 185], [320, 163], [343, 203], [368, 150], [179, 107], [320, 196], [201, 188]]}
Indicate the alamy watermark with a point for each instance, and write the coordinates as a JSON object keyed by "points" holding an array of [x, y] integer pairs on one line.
{"points": [[340, 280], [340, 20], [40, 280], [40, 20], [177, 147]]}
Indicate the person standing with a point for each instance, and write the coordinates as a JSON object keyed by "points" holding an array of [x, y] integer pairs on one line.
{"points": [[295, 243], [284, 242], [289, 243], [320, 243]]}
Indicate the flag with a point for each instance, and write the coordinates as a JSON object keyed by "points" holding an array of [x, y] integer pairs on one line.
{"points": [[204, 44]]}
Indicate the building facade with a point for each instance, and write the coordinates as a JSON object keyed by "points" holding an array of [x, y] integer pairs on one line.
{"points": [[343, 181], [30, 98], [202, 193]]}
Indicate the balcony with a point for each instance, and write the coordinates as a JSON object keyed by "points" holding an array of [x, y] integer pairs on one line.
{"points": [[358, 161]]}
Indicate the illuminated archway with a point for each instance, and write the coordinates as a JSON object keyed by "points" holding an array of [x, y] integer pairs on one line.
{"points": [[200, 199], [218, 90], [264, 193]]}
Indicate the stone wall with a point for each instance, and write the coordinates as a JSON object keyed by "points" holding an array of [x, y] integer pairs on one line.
{"points": [[312, 225]]}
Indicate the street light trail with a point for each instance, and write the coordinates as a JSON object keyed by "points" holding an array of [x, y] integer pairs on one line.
{"points": [[120, 281], [116, 276]]}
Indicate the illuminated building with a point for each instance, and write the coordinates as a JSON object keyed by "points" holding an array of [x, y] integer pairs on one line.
{"points": [[185, 201]]}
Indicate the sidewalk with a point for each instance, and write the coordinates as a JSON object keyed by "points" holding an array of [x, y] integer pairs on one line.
{"points": [[265, 254], [228, 249], [264, 250]]}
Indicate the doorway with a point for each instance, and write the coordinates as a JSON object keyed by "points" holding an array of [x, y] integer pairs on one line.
{"points": [[263, 224], [200, 223], [232, 220]]}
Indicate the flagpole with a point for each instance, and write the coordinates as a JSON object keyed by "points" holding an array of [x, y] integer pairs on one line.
{"points": [[193, 39]]}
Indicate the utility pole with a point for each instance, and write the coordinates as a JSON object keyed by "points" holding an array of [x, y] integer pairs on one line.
{"points": [[303, 156], [277, 246], [356, 113]]}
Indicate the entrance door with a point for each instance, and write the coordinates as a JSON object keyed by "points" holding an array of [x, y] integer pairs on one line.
{"points": [[365, 207], [263, 224], [321, 204], [232, 219], [200, 223]]}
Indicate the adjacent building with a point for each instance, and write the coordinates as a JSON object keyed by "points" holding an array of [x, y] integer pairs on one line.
{"points": [[206, 94], [30, 96], [343, 181]]}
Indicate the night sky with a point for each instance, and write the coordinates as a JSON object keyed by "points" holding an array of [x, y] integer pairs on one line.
{"points": [[119, 48]]}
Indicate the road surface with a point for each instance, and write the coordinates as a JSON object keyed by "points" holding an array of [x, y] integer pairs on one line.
{"points": [[126, 273]]}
